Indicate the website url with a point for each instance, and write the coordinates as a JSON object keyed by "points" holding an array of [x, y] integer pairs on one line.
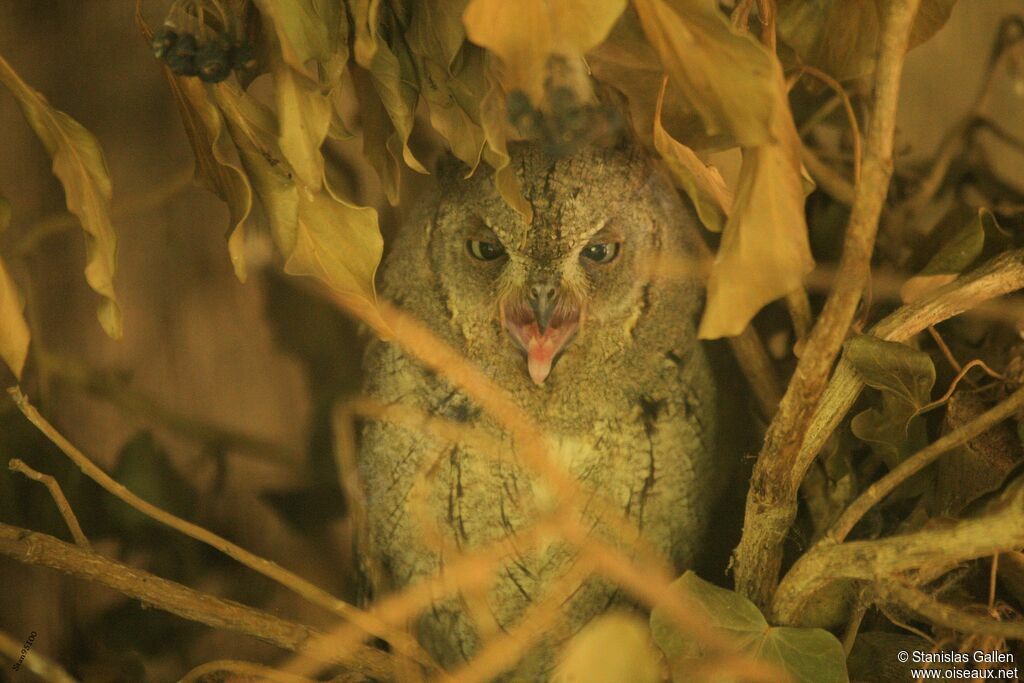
{"points": [[964, 674]]}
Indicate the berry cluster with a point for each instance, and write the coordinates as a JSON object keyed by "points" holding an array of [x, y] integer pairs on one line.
{"points": [[213, 60]]}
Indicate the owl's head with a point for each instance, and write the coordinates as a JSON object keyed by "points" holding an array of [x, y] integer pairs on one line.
{"points": [[573, 281]]}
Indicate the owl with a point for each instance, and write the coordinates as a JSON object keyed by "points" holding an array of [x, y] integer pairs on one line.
{"points": [[564, 313]]}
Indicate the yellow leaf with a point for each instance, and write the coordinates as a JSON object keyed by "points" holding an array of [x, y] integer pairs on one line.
{"points": [[726, 75], [79, 165], [765, 251], [14, 332], [526, 34], [304, 113], [626, 62], [610, 649], [254, 131], [339, 243], [365, 15], [397, 84], [446, 94], [216, 168], [377, 131], [305, 30], [435, 30], [702, 182], [493, 121], [318, 234]]}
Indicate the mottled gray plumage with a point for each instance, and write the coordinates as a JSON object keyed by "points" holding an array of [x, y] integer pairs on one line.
{"points": [[629, 405]]}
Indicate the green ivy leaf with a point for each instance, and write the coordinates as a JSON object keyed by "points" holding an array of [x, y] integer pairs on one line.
{"points": [[956, 253], [808, 655], [904, 372], [905, 377], [79, 165]]}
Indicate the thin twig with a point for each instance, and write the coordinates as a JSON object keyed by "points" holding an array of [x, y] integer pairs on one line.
{"points": [[974, 363], [776, 479], [34, 548], [918, 461], [316, 595], [59, 500], [851, 117]]}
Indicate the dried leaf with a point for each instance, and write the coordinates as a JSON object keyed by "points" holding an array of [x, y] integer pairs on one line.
{"points": [[216, 167], [451, 76], [492, 120], [808, 655], [819, 31], [726, 75], [319, 234], [435, 30], [340, 244], [304, 113], [956, 254], [525, 35], [397, 84], [458, 123], [79, 165], [305, 30], [765, 252], [365, 16], [978, 466], [377, 130], [14, 332], [626, 62], [702, 182], [254, 131], [610, 649]]}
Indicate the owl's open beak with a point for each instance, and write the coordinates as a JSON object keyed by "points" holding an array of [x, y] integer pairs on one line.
{"points": [[542, 326]]}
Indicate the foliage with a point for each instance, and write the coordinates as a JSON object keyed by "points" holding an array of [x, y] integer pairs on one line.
{"points": [[267, 89]]}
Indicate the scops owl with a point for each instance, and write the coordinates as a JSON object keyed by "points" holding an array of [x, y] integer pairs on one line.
{"points": [[564, 314]]}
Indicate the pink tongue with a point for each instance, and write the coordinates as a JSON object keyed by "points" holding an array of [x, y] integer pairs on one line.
{"points": [[539, 353]]}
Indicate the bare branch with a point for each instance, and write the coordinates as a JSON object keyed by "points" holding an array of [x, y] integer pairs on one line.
{"points": [[58, 498], [929, 608], [997, 531], [316, 595], [39, 549], [776, 479]]}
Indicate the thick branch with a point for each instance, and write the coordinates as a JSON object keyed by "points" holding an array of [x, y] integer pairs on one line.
{"points": [[885, 559], [929, 608], [775, 481], [35, 548]]}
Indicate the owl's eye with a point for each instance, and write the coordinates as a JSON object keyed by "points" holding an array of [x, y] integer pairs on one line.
{"points": [[602, 252], [482, 250]]}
